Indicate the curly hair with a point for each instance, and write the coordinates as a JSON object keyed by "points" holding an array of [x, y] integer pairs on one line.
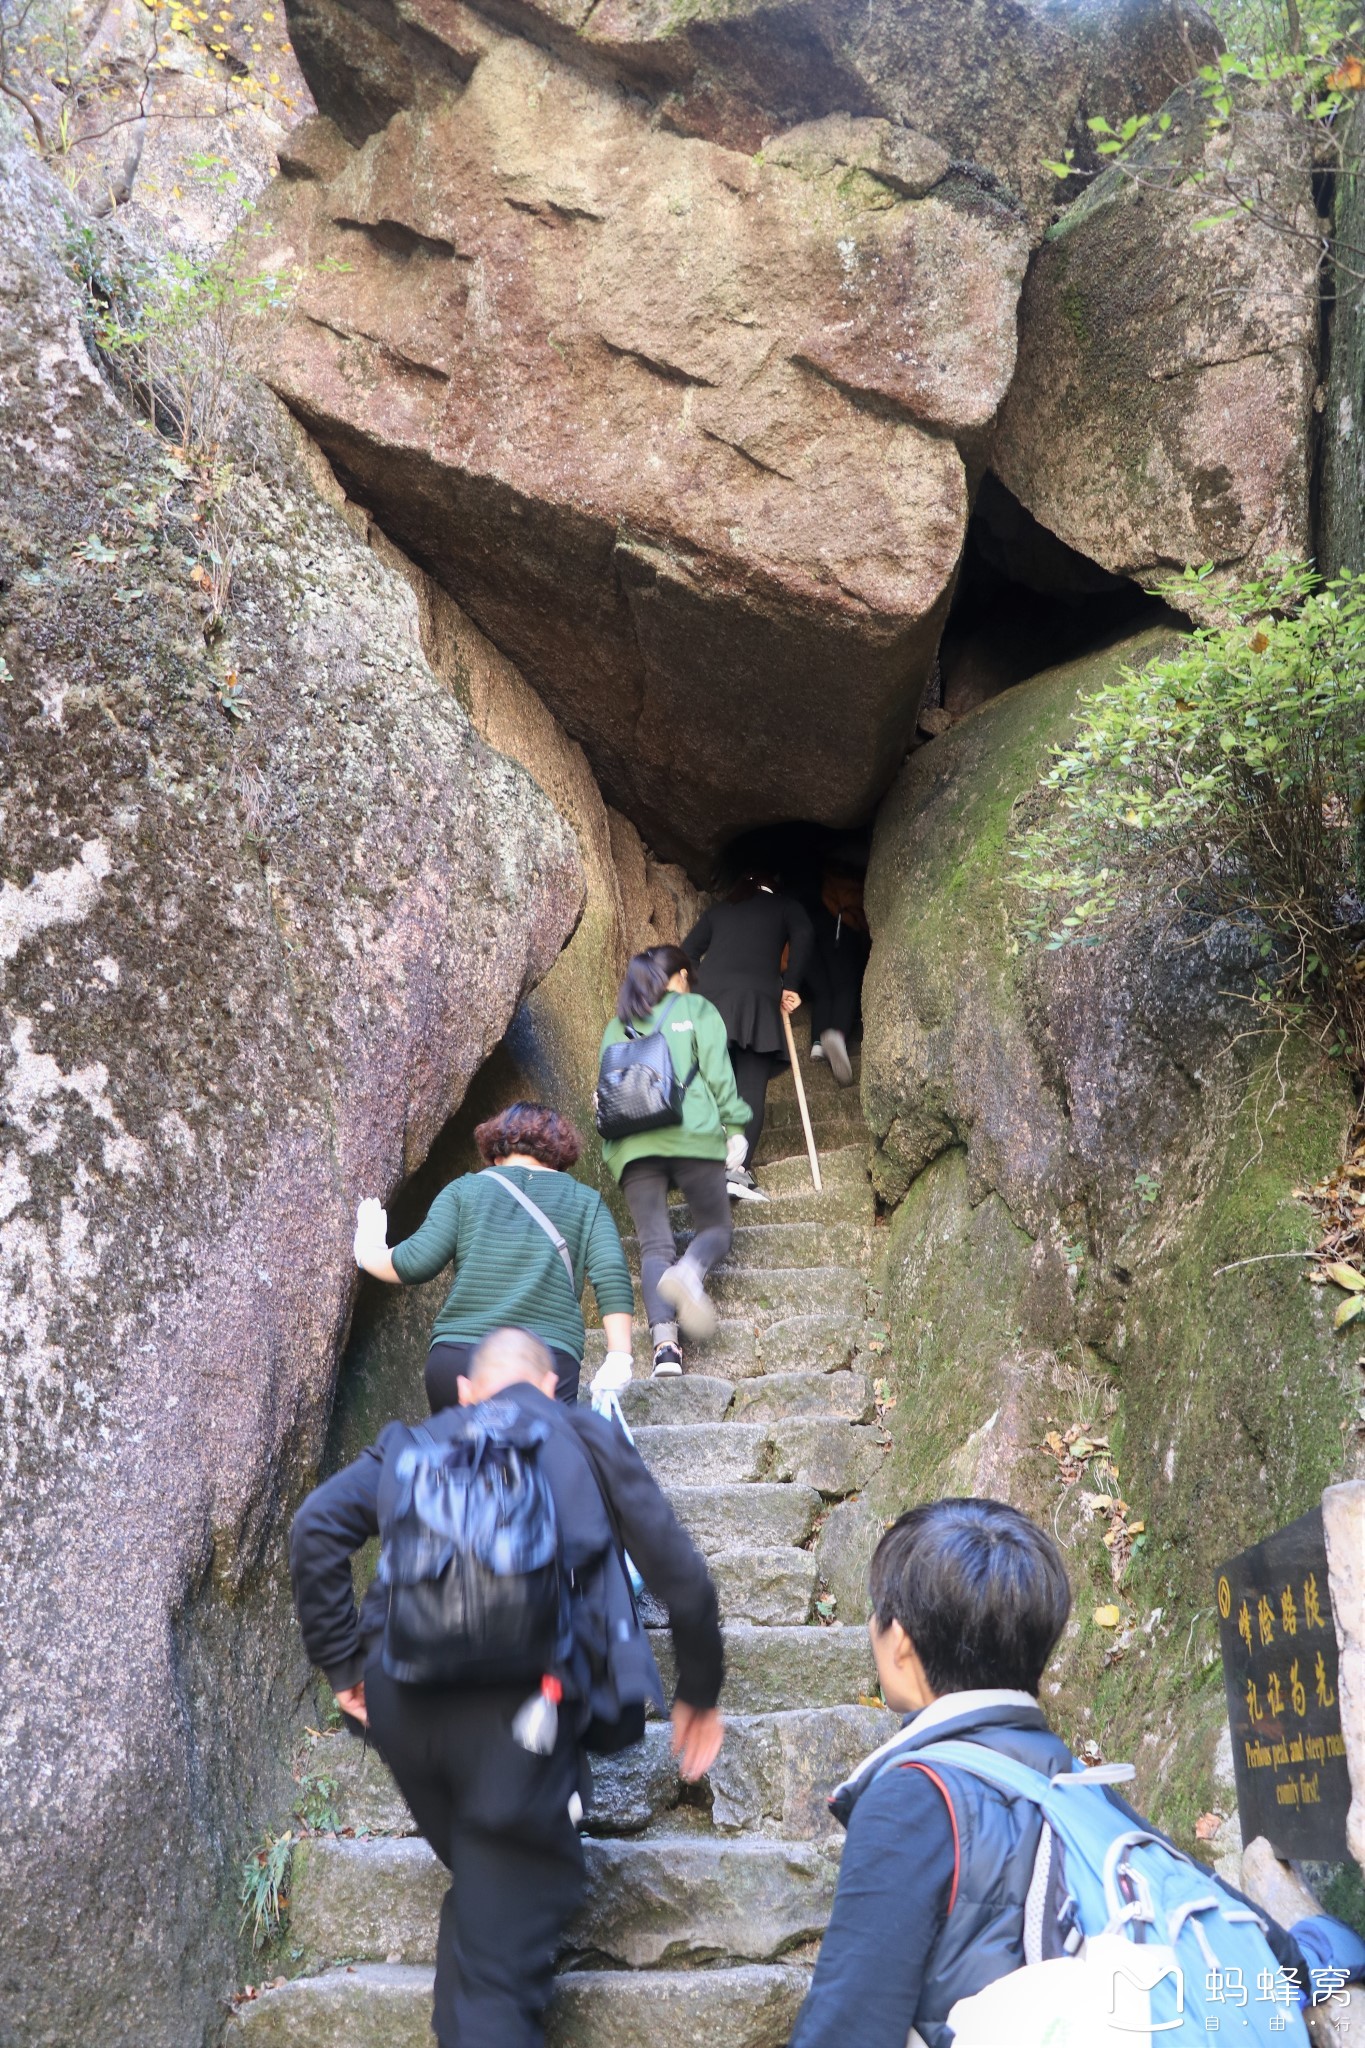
{"points": [[529, 1127]]}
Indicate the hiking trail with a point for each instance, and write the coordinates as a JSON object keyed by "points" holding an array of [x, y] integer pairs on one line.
{"points": [[704, 1903]]}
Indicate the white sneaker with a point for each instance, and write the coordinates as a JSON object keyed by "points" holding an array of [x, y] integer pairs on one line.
{"points": [[742, 1187], [817, 1051], [835, 1047], [681, 1287]]}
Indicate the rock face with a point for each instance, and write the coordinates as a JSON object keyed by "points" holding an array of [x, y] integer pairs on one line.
{"points": [[259, 928], [1343, 441], [993, 82], [1161, 410], [1087, 1143], [676, 426]]}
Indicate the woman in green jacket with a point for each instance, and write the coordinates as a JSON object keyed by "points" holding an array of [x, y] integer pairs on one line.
{"points": [[690, 1156]]}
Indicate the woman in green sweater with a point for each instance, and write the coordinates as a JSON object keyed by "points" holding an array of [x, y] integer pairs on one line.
{"points": [[509, 1271], [690, 1156]]}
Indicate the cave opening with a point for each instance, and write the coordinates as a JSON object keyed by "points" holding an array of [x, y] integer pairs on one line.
{"points": [[1023, 602]]}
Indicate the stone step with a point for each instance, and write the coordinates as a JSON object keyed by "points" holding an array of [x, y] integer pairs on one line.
{"points": [[772, 1587], [760, 1240], [834, 1456], [756, 1517], [773, 1293], [777, 1394], [649, 1901], [381, 2005], [702, 1397], [696, 1397], [707, 1453], [776, 1771], [836, 1109], [843, 1170], [818, 1342], [630, 1789], [767, 1669], [665, 1898]]}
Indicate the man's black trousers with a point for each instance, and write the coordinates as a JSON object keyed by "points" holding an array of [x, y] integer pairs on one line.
{"points": [[498, 1818]]}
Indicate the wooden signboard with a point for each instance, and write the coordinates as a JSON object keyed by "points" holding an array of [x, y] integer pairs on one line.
{"points": [[1280, 1670]]}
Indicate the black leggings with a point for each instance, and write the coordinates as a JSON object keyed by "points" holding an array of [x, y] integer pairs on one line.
{"points": [[645, 1183], [447, 1363], [753, 1071]]}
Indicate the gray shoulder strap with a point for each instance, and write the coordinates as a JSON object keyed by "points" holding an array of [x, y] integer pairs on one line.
{"points": [[538, 1216]]}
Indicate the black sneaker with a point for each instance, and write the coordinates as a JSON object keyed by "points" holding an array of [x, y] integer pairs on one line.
{"points": [[667, 1361]]}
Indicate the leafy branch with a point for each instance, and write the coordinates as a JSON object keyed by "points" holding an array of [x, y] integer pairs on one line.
{"points": [[1303, 60], [1228, 780]]}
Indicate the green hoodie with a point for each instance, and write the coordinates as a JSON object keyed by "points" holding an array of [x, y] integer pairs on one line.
{"points": [[713, 1109]]}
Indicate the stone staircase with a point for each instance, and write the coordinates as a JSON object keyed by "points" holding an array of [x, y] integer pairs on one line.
{"points": [[704, 1903]]}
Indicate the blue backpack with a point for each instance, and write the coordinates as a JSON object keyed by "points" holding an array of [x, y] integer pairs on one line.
{"points": [[1126, 1941], [470, 1554]]}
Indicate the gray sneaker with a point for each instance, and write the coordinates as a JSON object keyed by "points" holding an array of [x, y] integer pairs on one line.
{"points": [[682, 1288], [741, 1186], [836, 1052]]}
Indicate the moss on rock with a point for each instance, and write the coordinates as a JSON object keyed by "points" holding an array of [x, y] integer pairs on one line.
{"points": [[1085, 1140]]}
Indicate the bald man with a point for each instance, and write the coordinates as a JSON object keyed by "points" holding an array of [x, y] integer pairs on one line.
{"points": [[502, 1820]]}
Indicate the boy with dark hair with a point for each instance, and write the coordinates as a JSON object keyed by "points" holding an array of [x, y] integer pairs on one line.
{"points": [[969, 1600]]}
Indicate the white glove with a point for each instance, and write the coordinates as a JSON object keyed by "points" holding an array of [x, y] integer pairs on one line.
{"points": [[616, 1371], [736, 1151], [371, 1233]]}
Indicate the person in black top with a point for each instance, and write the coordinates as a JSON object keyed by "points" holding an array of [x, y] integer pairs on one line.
{"points": [[741, 945], [501, 1818], [838, 962]]}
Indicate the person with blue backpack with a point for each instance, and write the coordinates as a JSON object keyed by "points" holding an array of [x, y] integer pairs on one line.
{"points": [[497, 1648], [992, 1892], [670, 1115]]}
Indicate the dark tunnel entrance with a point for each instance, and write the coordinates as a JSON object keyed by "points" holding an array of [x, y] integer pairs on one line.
{"points": [[1024, 602]]}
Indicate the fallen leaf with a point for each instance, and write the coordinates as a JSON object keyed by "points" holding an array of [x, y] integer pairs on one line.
{"points": [[1107, 1617], [1082, 1448], [1347, 1277], [1207, 1826], [1136, 1528], [1348, 77], [1349, 1311]]}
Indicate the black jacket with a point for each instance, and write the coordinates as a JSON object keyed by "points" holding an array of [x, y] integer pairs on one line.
{"points": [[342, 1514], [739, 947]]}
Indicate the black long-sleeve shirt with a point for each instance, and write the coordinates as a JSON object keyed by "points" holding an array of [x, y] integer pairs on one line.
{"points": [[342, 1514], [739, 946]]}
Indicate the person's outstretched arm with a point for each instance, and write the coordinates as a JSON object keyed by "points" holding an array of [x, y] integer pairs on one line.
{"points": [[713, 1058], [800, 945], [673, 1569], [700, 937], [895, 1885], [605, 1261], [337, 1518]]}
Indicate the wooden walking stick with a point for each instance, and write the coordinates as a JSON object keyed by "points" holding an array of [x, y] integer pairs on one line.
{"points": [[801, 1104]]}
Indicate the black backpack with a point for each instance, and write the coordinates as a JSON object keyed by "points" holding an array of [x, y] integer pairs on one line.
{"points": [[637, 1086], [470, 1555]]}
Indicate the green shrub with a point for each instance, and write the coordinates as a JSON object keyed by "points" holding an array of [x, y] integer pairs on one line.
{"points": [[1228, 779]]}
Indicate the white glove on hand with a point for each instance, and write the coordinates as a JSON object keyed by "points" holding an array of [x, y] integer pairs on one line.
{"points": [[736, 1151], [371, 1233], [616, 1371]]}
